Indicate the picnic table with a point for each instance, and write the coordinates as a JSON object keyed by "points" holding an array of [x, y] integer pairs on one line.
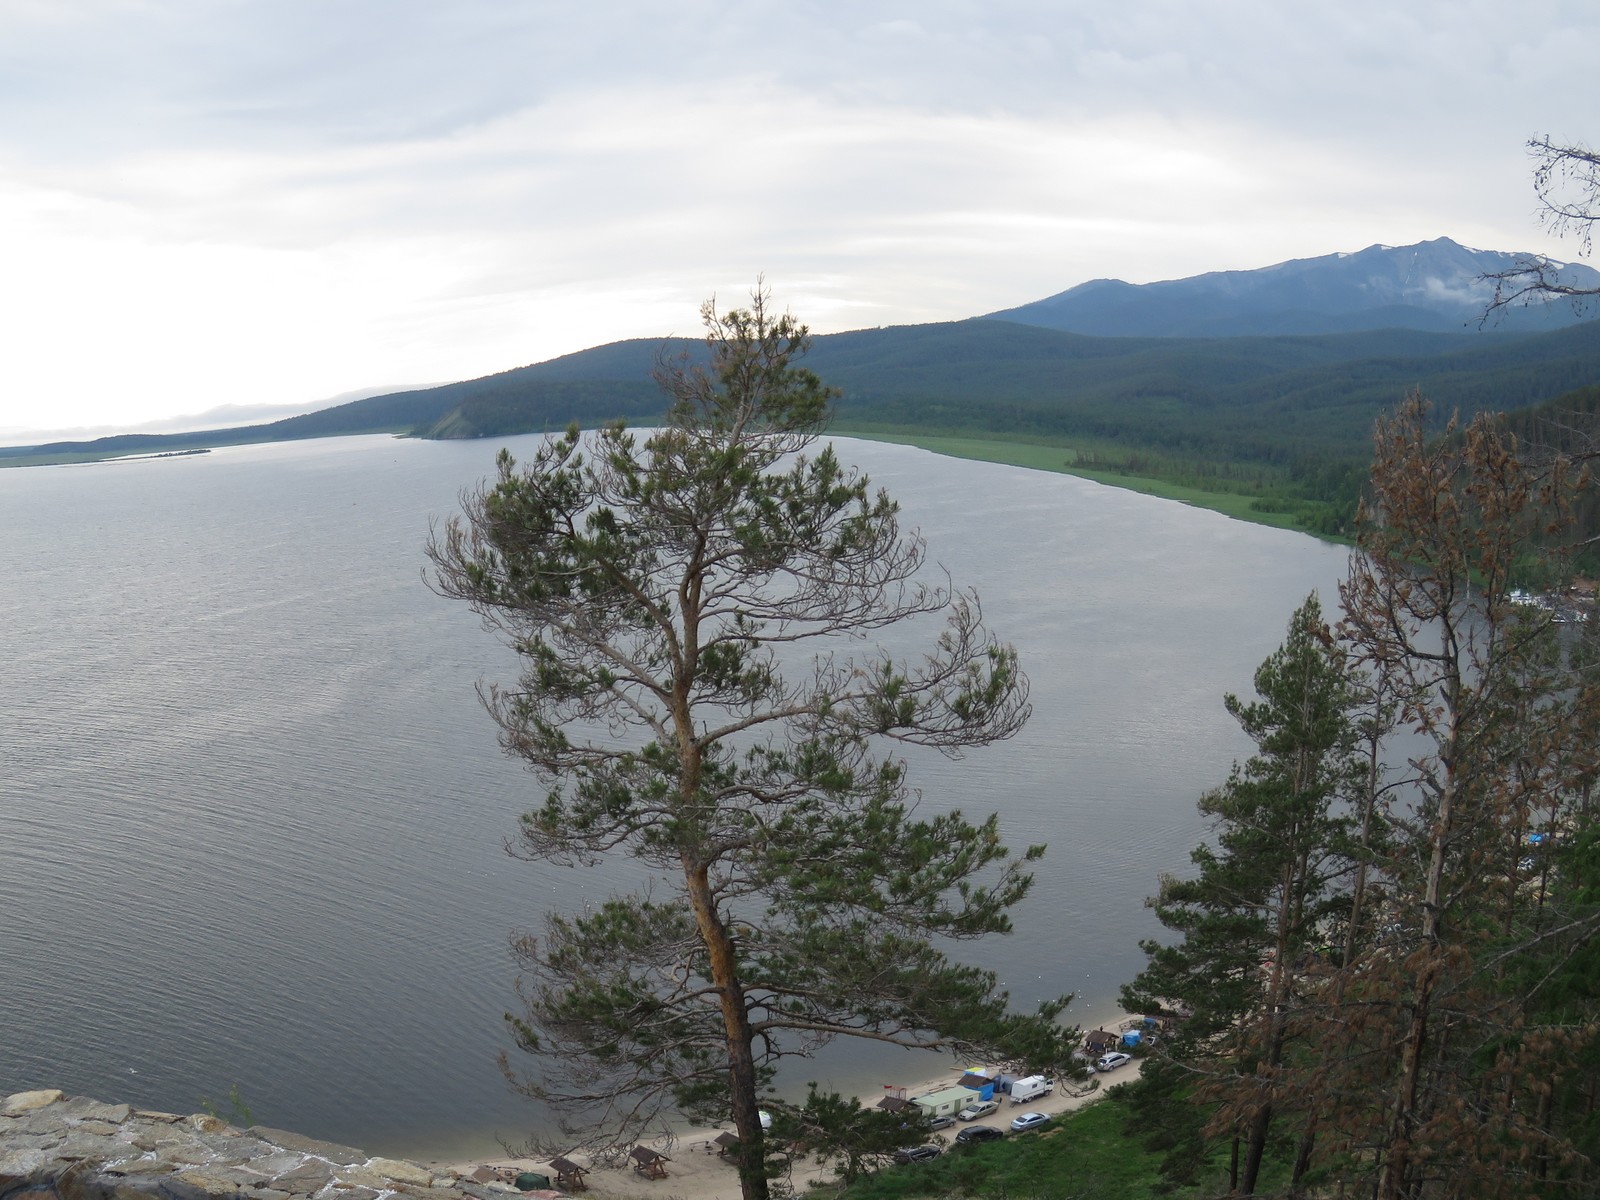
{"points": [[652, 1164], [569, 1175]]}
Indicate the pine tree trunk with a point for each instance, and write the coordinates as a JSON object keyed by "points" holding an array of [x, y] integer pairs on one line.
{"points": [[736, 1024], [1392, 1182], [1254, 1150], [1302, 1158]]}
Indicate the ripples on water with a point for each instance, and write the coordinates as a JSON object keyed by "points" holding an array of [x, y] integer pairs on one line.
{"points": [[253, 814]]}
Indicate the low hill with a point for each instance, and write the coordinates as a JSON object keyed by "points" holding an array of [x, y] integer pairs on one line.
{"points": [[1257, 399], [1265, 400], [1283, 421]]}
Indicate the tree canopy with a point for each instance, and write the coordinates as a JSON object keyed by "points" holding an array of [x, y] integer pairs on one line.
{"points": [[1386, 965], [697, 616]]}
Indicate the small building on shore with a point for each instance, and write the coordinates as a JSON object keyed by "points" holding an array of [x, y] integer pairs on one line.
{"points": [[946, 1102]]}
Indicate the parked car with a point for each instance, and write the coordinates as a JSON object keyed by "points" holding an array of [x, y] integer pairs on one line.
{"points": [[913, 1154], [1110, 1062], [943, 1122], [1029, 1120], [978, 1108], [978, 1133]]}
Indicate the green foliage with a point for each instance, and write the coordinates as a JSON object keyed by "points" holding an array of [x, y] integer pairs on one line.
{"points": [[836, 1132], [659, 594], [1098, 1152], [237, 1113], [1398, 994], [1256, 905]]}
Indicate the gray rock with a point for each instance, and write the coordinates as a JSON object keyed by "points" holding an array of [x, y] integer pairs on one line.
{"points": [[40, 1121], [345, 1156], [23, 1162], [137, 1166], [480, 1191], [135, 1187], [86, 1150], [78, 1146], [158, 1137], [114, 1113], [401, 1171], [183, 1154], [219, 1180], [273, 1162], [360, 1177], [82, 1182], [81, 1108], [45, 1139], [232, 1147], [307, 1177], [21, 1102], [174, 1188]]}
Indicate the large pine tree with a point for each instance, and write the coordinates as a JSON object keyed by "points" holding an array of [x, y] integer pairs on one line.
{"points": [[696, 614]]}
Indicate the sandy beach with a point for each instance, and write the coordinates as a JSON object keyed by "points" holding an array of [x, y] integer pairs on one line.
{"points": [[694, 1170]]}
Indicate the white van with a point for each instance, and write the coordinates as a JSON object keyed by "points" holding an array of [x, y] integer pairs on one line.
{"points": [[1031, 1088]]}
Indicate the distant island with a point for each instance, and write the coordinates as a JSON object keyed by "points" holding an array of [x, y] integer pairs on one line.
{"points": [[162, 454]]}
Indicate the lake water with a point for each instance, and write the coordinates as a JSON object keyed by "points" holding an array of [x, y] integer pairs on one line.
{"points": [[253, 815]]}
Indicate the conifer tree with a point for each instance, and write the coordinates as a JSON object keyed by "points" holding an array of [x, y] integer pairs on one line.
{"points": [[696, 616], [1261, 898], [1433, 1064]]}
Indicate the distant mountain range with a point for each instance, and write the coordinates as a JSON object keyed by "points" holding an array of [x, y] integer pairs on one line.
{"points": [[1265, 367], [1438, 286]]}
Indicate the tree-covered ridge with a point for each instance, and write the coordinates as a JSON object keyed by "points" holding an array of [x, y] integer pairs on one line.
{"points": [[1267, 400], [1282, 422]]}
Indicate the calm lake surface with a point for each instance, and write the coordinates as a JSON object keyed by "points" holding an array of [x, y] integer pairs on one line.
{"points": [[252, 815]]}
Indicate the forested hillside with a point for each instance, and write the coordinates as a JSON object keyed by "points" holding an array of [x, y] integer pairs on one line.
{"points": [[1283, 421]]}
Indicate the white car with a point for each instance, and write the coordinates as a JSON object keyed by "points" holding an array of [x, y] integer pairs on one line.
{"points": [[978, 1108], [1110, 1062]]}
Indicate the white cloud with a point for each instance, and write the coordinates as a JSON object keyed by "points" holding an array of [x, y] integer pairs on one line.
{"points": [[261, 202]]}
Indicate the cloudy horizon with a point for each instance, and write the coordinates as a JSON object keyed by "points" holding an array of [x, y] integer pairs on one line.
{"points": [[258, 204]]}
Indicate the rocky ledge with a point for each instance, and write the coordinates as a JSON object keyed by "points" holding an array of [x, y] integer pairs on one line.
{"points": [[56, 1147]]}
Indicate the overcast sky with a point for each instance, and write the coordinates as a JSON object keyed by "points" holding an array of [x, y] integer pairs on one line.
{"points": [[208, 202]]}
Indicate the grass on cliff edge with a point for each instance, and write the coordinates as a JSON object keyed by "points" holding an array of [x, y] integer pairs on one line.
{"points": [[1040, 456], [1086, 1153]]}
